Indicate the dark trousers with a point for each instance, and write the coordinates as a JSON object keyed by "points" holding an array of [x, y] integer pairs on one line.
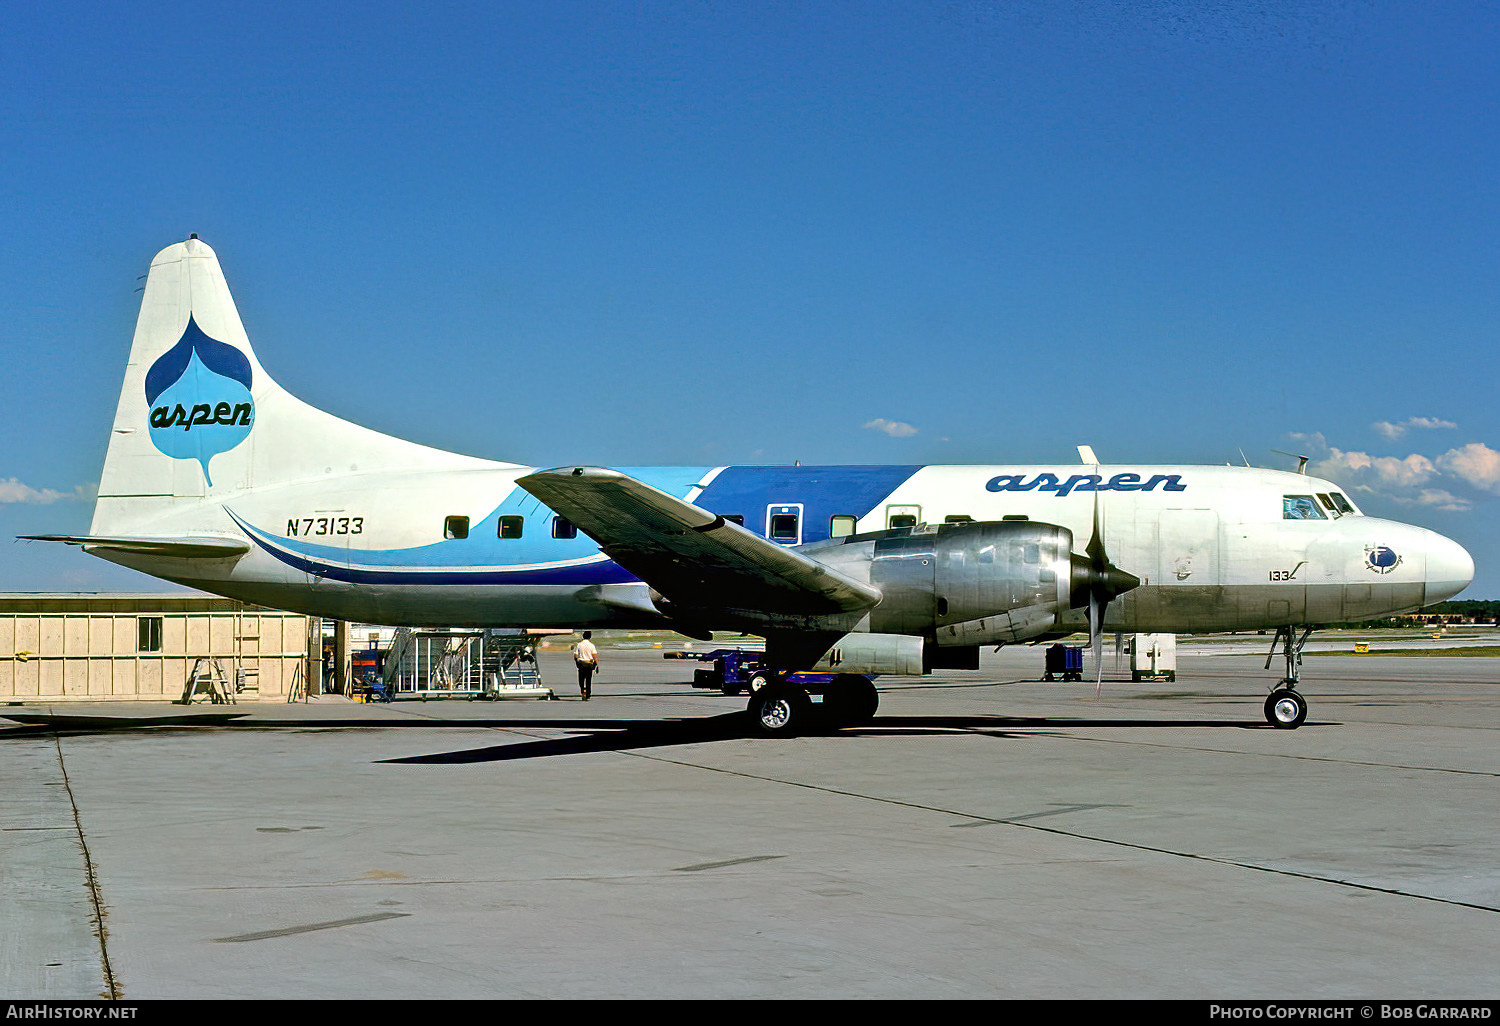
{"points": [[585, 678]]}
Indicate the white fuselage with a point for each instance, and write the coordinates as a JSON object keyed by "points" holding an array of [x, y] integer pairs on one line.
{"points": [[1213, 547]]}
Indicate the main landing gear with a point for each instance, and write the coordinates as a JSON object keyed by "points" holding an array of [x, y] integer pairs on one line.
{"points": [[1285, 706], [784, 706]]}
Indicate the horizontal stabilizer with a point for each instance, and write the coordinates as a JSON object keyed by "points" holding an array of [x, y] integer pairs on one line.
{"points": [[691, 556], [190, 547]]}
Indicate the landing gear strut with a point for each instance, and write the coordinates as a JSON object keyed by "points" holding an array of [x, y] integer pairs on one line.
{"points": [[1285, 707]]}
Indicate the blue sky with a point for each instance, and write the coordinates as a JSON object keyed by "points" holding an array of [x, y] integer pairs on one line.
{"points": [[637, 233]]}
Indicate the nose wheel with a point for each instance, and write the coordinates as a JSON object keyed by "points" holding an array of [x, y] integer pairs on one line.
{"points": [[1286, 709]]}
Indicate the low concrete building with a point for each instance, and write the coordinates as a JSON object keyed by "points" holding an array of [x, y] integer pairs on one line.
{"points": [[99, 647]]}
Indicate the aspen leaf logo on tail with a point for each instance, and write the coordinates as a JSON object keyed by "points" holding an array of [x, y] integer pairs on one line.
{"points": [[199, 395]]}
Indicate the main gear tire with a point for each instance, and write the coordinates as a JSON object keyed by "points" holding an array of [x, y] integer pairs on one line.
{"points": [[780, 710]]}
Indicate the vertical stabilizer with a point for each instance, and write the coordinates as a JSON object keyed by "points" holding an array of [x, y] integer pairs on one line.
{"points": [[198, 417]]}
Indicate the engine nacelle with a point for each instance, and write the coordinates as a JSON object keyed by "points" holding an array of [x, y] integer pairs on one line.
{"points": [[873, 653], [859, 652], [963, 584]]}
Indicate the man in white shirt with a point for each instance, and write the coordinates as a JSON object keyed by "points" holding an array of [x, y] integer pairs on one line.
{"points": [[586, 658]]}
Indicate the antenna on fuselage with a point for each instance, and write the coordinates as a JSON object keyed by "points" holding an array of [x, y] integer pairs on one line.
{"points": [[1301, 459]]}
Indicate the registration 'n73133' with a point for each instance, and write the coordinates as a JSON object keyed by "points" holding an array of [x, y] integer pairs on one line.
{"points": [[306, 527]]}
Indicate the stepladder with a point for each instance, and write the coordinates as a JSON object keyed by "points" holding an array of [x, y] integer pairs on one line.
{"points": [[208, 680]]}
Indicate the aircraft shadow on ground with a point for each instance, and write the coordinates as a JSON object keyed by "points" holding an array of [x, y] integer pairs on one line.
{"points": [[601, 737], [68, 724], [598, 735]]}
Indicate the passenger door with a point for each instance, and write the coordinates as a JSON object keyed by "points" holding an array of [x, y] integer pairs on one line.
{"points": [[784, 523]]}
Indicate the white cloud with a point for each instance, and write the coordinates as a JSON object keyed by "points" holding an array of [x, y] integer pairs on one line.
{"points": [[1443, 500], [1391, 432], [1441, 482], [1375, 473], [894, 428], [1475, 463], [12, 490], [1315, 443]]}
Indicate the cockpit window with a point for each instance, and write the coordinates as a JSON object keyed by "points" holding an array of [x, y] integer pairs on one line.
{"points": [[1300, 507], [1335, 504]]}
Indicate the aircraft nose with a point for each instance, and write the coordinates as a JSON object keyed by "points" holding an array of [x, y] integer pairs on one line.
{"points": [[1450, 568]]}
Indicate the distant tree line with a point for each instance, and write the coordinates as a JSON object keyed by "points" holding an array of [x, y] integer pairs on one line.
{"points": [[1458, 611], [1477, 610]]}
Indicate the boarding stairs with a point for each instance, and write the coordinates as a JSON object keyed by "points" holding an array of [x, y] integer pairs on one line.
{"points": [[494, 663], [508, 667]]}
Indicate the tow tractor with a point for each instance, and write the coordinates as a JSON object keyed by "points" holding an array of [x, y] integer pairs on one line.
{"points": [[734, 670]]}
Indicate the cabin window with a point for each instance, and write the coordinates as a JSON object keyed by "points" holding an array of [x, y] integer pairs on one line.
{"points": [[902, 516], [148, 633], [735, 518], [1300, 507], [1015, 516], [456, 527], [563, 528], [783, 527], [509, 527], [840, 526], [958, 518]]}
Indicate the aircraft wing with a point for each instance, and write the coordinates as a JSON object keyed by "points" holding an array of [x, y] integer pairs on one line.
{"points": [[186, 547], [689, 555]]}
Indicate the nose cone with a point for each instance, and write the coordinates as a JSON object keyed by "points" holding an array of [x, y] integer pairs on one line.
{"points": [[1450, 568]]}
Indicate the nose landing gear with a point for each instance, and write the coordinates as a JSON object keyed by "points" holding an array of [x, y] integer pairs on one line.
{"points": [[1285, 707]]}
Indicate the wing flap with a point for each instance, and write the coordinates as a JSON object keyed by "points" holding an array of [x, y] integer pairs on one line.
{"points": [[689, 555]]}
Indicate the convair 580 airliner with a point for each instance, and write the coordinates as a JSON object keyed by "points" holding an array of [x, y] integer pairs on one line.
{"points": [[219, 479]]}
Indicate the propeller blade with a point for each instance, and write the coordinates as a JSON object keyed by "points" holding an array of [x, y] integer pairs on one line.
{"points": [[1096, 640], [1096, 581]]}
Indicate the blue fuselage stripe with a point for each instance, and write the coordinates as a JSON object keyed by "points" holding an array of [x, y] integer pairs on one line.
{"points": [[823, 493], [484, 558]]}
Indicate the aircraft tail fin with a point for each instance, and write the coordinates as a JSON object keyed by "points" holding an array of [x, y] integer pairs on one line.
{"points": [[198, 418]]}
